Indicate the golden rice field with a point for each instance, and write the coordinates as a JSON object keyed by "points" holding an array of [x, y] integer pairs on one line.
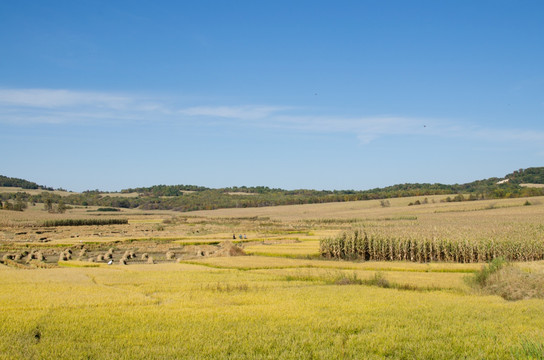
{"points": [[192, 311], [280, 301]]}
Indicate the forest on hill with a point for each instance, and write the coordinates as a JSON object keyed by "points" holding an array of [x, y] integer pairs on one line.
{"points": [[25, 184], [192, 197]]}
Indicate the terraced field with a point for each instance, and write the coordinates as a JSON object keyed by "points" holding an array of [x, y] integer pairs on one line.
{"points": [[201, 297]]}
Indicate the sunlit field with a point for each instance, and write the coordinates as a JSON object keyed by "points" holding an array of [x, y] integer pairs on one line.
{"points": [[197, 298]]}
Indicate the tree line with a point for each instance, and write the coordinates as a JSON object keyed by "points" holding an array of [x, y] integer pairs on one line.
{"points": [[192, 197]]}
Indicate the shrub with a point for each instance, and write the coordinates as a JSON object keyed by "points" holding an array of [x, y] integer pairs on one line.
{"points": [[379, 280], [345, 279], [481, 277], [508, 281], [511, 283]]}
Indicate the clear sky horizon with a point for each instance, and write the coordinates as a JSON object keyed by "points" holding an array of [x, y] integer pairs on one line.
{"points": [[287, 94]]}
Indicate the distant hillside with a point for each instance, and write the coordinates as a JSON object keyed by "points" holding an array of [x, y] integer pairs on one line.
{"points": [[533, 175], [192, 197], [15, 182]]}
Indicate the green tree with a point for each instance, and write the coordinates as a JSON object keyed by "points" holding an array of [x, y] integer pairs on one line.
{"points": [[61, 207], [48, 205], [20, 205]]}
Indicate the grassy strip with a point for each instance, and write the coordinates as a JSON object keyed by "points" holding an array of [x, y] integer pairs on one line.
{"points": [[77, 264], [378, 280], [311, 266], [489, 207], [246, 268], [315, 256]]}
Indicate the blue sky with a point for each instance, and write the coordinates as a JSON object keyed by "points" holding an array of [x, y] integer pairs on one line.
{"points": [[290, 94]]}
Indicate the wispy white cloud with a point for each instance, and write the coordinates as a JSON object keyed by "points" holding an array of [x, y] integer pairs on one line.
{"points": [[234, 112], [47, 98], [50, 106]]}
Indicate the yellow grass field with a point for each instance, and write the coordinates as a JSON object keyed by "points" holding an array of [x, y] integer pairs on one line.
{"points": [[196, 300]]}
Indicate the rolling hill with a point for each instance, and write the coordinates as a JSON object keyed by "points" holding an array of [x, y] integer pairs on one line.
{"points": [[192, 197]]}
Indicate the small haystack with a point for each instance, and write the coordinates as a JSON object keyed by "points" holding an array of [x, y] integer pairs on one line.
{"points": [[65, 256], [227, 248], [8, 257]]}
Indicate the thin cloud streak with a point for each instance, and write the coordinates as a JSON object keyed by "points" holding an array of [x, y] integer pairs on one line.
{"points": [[47, 98], [248, 112], [50, 106]]}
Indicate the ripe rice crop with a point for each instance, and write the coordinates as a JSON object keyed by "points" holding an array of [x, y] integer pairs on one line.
{"points": [[359, 244]]}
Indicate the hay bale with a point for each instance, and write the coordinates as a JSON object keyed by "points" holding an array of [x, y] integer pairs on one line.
{"points": [[123, 261], [8, 257], [145, 256], [39, 256], [111, 250], [150, 260], [227, 248], [100, 258], [129, 254], [18, 257], [108, 256], [170, 255]]}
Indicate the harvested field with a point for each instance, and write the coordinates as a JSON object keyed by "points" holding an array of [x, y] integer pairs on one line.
{"points": [[182, 282]]}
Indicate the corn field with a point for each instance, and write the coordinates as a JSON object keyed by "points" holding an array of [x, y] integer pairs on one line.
{"points": [[360, 245]]}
